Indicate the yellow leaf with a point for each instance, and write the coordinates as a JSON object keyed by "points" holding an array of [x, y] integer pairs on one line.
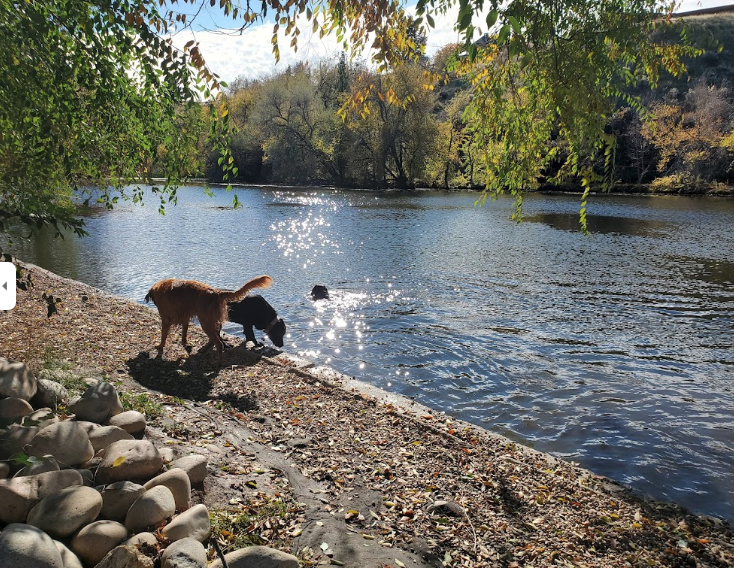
{"points": [[119, 461]]}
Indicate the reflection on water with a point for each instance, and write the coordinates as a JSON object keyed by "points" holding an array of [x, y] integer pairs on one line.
{"points": [[605, 224], [612, 350]]}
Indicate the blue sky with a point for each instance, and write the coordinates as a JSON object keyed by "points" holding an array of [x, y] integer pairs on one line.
{"points": [[249, 54]]}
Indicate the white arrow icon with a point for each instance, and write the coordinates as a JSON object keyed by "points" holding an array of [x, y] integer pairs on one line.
{"points": [[7, 293]]}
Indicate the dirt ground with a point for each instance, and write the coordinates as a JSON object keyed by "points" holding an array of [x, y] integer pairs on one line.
{"points": [[336, 472]]}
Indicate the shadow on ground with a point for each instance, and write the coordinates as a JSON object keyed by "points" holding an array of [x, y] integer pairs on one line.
{"points": [[190, 377]]}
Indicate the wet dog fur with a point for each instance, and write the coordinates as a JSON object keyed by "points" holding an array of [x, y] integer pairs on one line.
{"points": [[180, 300], [255, 311]]}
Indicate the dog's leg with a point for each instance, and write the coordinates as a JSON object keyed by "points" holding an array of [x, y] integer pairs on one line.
{"points": [[165, 328], [250, 335], [184, 331]]}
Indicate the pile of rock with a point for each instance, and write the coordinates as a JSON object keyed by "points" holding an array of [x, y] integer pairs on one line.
{"points": [[84, 489]]}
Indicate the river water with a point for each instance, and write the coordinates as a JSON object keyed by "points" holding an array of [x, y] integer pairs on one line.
{"points": [[612, 350]]}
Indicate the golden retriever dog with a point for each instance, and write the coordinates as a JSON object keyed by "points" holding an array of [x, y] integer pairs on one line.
{"points": [[180, 300]]}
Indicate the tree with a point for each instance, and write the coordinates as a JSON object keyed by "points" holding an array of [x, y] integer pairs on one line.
{"points": [[74, 71]]}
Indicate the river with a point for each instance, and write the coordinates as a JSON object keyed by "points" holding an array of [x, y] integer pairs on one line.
{"points": [[612, 350]]}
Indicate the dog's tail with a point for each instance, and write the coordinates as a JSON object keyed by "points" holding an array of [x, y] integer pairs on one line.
{"points": [[258, 282]]}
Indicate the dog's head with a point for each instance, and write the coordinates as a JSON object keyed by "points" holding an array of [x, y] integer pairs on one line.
{"points": [[276, 331], [319, 292]]}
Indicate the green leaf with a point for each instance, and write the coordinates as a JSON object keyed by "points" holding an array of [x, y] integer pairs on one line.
{"points": [[492, 18]]}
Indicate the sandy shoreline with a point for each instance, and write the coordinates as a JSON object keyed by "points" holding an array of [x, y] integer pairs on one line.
{"points": [[382, 480]]}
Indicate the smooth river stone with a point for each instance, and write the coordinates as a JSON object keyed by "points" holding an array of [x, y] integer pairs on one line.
{"points": [[184, 553], [140, 460], [63, 513], [194, 465], [118, 497], [152, 507], [105, 435], [16, 380], [94, 541], [67, 441], [193, 523], [257, 557], [24, 546], [178, 482]]}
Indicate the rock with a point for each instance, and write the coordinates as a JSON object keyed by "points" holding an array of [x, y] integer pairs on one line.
{"points": [[87, 477], [194, 465], [105, 435], [38, 465], [94, 541], [125, 557], [24, 546], [132, 421], [257, 557], [184, 553], [63, 513], [193, 523], [178, 482], [49, 393], [98, 403], [117, 498], [18, 496], [69, 559], [54, 481], [15, 438], [167, 454], [67, 441], [4, 470], [152, 507], [88, 426], [141, 461], [143, 538], [42, 417], [13, 408], [16, 380]]}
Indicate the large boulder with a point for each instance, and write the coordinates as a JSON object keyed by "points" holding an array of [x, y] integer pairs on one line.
{"points": [[24, 546], [42, 417], [94, 541], [184, 553], [16, 380], [63, 513], [98, 403], [18, 496], [15, 438], [67, 441], [194, 465], [49, 393], [44, 464], [13, 408], [118, 497], [257, 557], [69, 559], [178, 482], [193, 523], [125, 557], [152, 507], [131, 421], [129, 459], [105, 435]]}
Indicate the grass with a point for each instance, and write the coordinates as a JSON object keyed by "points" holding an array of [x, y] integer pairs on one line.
{"points": [[263, 521], [143, 403]]}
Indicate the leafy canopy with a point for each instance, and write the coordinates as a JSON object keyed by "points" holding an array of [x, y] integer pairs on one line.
{"points": [[91, 91]]}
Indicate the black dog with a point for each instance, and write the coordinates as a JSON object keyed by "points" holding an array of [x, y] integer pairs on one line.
{"points": [[255, 311], [319, 292]]}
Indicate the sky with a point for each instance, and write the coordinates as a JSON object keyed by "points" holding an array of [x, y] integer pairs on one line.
{"points": [[249, 54]]}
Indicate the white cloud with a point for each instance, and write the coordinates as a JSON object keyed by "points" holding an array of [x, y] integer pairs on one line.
{"points": [[249, 54]]}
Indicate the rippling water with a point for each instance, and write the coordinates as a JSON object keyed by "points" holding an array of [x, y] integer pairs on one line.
{"points": [[612, 350]]}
